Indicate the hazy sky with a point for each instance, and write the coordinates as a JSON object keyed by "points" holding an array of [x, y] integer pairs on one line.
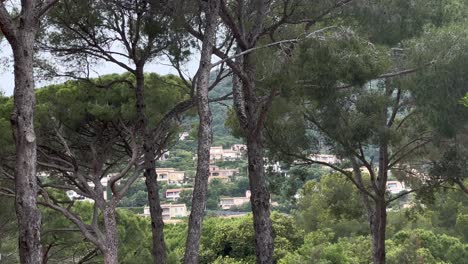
{"points": [[7, 80]]}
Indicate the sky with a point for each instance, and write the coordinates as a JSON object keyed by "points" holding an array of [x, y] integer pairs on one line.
{"points": [[7, 78]]}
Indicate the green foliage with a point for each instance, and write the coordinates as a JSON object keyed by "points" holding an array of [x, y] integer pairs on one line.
{"points": [[65, 241], [217, 189], [132, 226], [318, 248], [415, 246], [74, 102], [285, 187], [8, 230], [233, 238], [341, 57], [450, 210], [181, 160], [389, 22], [62, 238], [332, 203], [186, 198], [437, 90], [6, 136], [422, 246]]}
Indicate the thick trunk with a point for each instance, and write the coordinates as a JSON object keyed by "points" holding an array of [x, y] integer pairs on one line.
{"points": [[256, 109], [204, 138], [112, 240], [260, 200], [378, 223], [154, 203], [28, 214]]}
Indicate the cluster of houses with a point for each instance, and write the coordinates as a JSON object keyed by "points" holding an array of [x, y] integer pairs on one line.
{"points": [[173, 211], [236, 152], [176, 177], [170, 212]]}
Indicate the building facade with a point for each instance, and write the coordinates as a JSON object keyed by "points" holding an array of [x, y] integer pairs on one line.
{"points": [[223, 175], [170, 175], [170, 211], [331, 159], [395, 187], [227, 203], [174, 194], [234, 153]]}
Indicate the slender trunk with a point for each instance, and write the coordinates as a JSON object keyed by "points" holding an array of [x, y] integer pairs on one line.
{"points": [[378, 216], [45, 254], [204, 137], [157, 224], [154, 203], [260, 200], [22, 120], [112, 240], [378, 223]]}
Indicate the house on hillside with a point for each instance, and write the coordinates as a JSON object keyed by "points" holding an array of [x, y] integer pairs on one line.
{"points": [[170, 175], [183, 136], [331, 159], [72, 195], [395, 187], [164, 156], [234, 153], [170, 211], [227, 203], [174, 194], [224, 175]]}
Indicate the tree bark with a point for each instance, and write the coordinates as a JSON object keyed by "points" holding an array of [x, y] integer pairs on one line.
{"points": [[154, 203], [112, 240], [378, 216], [260, 200], [252, 117], [20, 31], [378, 223], [204, 137], [157, 224], [22, 120]]}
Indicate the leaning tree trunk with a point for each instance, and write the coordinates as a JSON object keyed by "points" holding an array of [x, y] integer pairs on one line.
{"points": [[154, 203], [378, 223], [28, 214], [260, 200], [204, 137], [112, 240]]}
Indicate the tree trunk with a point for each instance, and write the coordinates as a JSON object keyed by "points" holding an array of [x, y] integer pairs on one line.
{"points": [[378, 216], [260, 200], [252, 114], [204, 137], [378, 223], [112, 239], [157, 224], [154, 203], [22, 120]]}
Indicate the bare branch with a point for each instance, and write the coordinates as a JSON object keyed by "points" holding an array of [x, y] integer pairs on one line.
{"points": [[45, 7], [6, 24], [461, 185]]}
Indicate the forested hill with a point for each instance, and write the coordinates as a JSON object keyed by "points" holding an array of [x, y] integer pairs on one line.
{"points": [[219, 110], [221, 134]]}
